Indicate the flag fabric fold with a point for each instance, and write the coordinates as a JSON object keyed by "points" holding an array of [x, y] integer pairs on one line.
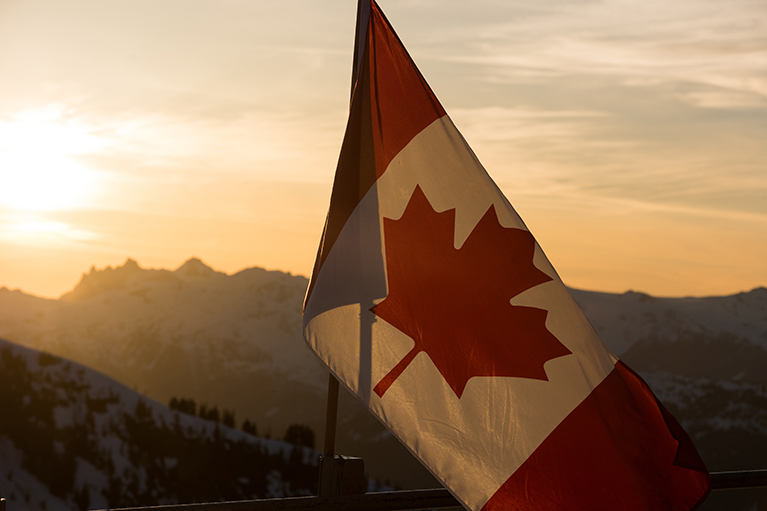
{"points": [[431, 301]]}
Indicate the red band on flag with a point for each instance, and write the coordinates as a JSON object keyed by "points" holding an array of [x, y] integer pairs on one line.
{"points": [[402, 103], [619, 449]]}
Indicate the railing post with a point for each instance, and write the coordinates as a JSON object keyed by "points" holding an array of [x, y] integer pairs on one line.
{"points": [[342, 475]]}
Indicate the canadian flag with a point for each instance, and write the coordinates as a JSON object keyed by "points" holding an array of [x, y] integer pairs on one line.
{"points": [[432, 303]]}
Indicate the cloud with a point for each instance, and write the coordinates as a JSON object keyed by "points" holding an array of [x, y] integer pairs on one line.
{"points": [[45, 233], [705, 42], [726, 99], [594, 155]]}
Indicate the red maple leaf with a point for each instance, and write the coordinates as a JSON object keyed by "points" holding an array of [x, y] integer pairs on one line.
{"points": [[454, 303]]}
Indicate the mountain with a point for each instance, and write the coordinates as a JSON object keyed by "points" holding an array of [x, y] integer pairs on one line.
{"points": [[235, 341], [230, 340], [72, 438], [718, 337], [189, 332]]}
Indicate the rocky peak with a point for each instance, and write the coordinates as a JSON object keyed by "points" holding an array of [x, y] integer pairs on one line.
{"points": [[194, 268], [98, 281]]}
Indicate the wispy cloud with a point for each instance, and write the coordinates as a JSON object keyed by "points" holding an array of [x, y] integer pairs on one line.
{"points": [[43, 233], [721, 46], [593, 155]]}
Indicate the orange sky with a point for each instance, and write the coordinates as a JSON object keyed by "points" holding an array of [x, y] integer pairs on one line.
{"points": [[628, 135]]}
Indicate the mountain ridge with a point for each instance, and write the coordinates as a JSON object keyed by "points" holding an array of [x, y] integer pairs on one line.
{"points": [[193, 265], [236, 340]]}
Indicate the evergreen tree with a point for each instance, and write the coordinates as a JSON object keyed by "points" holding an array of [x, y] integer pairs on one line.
{"points": [[300, 434]]}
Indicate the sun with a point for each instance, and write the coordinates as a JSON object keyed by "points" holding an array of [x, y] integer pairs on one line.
{"points": [[38, 166], [42, 182]]}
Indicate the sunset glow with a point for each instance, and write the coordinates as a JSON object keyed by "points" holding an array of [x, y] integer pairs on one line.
{"points": [[629, 137]]}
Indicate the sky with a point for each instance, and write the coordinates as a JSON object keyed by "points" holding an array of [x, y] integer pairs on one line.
{"points": [[630, 136]]}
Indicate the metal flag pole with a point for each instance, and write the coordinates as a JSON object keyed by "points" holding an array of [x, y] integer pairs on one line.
{"points": [[341, 474], [331, 413], [363, 14]]}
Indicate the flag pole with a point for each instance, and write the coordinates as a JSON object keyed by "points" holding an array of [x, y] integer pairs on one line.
{"points": [[358, 33], [331, 412]]}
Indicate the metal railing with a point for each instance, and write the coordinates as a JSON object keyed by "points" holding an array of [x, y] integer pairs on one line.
{"points": [[402, 500], [408, 499]]}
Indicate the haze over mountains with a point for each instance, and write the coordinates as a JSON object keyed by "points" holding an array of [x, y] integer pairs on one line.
{"points": [[720, 337], [235, 341], [230, 340]]}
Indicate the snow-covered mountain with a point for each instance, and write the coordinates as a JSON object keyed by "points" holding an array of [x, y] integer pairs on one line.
{"points": [[235, 341], [72, 438], [718, 337], [228, 340]]}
